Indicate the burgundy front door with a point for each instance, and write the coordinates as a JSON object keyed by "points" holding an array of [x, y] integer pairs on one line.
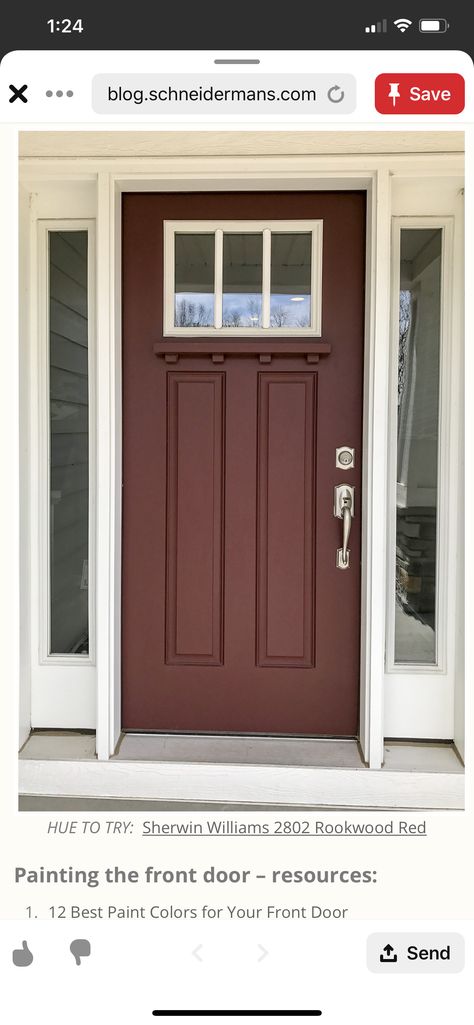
{"points": [[235, 616]]}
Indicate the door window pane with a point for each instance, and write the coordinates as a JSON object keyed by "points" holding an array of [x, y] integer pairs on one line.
{"points": [[69, 442], [417, 445], [242, 280], [290, 298], [262, 277], [194, 279]]}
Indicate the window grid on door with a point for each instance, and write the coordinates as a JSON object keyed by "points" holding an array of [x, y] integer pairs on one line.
{"points": [[206, 314]]}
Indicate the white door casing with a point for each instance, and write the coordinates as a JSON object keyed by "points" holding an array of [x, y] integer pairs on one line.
{"points": [[87, 697]]}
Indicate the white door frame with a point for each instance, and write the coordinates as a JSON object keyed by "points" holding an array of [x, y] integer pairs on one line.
{"points": [[376, 186], [376, 176]]}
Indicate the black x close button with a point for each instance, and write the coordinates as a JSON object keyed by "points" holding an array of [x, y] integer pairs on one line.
{"points": [[18, 93]]}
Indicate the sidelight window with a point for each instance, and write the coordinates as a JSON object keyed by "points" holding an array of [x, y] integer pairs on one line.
{"points": [[243, 277], [417, 583], [68, 317]]}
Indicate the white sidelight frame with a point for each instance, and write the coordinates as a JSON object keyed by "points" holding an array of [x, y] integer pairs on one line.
{"points": [[63, 687], [420, 700], [266, 229], [421, 716], [445, 225], [378, 176]]}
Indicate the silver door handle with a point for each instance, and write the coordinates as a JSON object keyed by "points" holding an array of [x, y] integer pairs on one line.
{"points": [[344, 510]]}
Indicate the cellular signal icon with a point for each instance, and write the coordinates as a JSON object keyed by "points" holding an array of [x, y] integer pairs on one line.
{"points": [[402, 24], [379, 26]]}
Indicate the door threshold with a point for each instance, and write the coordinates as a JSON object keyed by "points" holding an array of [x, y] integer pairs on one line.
{"points": [[239, 750]]}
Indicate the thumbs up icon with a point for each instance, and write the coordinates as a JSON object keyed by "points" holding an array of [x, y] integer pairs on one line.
{"points": [[22, 957]]}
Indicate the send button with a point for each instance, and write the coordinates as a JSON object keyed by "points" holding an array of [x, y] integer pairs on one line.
{"points": [[400, 953]]}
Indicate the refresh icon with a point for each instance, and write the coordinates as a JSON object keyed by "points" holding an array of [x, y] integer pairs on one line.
{"points": [[335, 94]]}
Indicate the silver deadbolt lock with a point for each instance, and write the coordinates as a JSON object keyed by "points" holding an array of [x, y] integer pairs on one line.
{"points": [[345, 458]]}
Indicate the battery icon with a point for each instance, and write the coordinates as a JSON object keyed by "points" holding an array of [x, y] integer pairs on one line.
{"points": [[433, 25]]}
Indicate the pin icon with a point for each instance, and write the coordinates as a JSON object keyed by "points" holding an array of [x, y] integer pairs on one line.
{"points": [[22, 957], [80, 948], [394, 93]]}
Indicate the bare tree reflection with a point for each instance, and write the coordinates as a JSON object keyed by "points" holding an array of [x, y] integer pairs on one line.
{"points": [[278, 317], [191, 314]]}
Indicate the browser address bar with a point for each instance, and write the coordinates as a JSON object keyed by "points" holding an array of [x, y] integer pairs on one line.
{"points": [[229, 94]]}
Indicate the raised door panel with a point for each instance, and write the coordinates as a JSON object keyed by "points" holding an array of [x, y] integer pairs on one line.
{"points": [[286, 525], [194, 518]]}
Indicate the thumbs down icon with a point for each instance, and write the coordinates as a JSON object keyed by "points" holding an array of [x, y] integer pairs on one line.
{"points": [[79, 949]]}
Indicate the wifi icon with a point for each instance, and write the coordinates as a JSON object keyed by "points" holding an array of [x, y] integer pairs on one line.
{"points": [[402, 24]]}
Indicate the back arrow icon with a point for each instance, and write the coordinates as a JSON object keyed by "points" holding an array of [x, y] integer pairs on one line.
{"points": [[195, 952]]}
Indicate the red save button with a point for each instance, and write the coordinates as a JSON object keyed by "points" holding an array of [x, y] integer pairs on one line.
{"points": [[419, 94]]}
